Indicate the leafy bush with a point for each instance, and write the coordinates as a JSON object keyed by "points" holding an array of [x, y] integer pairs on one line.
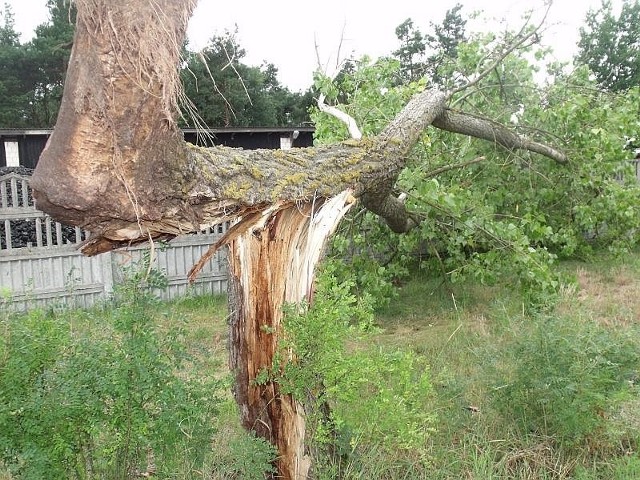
{"points": [[355, 397], [97, 394], [562, 378]]}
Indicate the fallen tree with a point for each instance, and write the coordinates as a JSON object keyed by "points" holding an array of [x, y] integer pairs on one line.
{"points": [[117, 165]]}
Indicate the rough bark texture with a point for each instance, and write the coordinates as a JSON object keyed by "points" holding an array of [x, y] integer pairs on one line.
{"points": [[116, 156], [117, 166]]}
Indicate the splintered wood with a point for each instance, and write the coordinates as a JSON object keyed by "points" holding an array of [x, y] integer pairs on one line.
{"points": [[272, 263]]}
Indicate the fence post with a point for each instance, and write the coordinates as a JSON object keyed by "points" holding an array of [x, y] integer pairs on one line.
{"points": [[106, 264]]}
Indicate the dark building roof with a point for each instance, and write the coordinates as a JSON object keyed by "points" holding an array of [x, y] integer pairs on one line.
{"points": [[32, 141]]}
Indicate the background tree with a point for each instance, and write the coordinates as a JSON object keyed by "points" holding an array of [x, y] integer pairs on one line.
{"points": [[48, 56], [8, 34], [411, 51], [443, 44], [226, 92], [427, 54], [13, 93], [610, 45], [33, 73]]}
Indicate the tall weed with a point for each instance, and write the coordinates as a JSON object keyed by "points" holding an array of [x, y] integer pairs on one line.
{"points": [[563, 377], [98, 394]]}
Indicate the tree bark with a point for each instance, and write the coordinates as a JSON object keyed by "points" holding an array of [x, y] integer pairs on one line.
{"points": [[116, 157], [116, 165]]}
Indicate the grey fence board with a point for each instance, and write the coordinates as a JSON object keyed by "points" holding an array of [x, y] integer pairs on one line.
{"points": [[636, 167], [62, 276], [174, 261], [41, 277], [50, 273]]}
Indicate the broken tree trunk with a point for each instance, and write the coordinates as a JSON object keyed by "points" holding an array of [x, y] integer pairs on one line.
{"points": [[272, 263], [116, 165]]}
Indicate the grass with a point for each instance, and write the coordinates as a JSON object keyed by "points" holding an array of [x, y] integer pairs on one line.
{"points": [[490, 365], [206, 332], [465, 331]]}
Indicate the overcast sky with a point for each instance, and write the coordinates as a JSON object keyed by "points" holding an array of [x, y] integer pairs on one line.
{"points": [[283, 32]]}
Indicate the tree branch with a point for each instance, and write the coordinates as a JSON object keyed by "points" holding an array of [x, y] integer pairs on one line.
{"points": [[344, 117], [225, 183], [452, 166], [485, 129]]}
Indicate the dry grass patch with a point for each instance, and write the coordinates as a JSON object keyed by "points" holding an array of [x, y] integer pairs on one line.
{"points": [[611, 298], [540, 460]]}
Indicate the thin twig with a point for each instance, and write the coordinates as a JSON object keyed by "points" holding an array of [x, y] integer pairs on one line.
{"points": [[453, 166], [500, 58]]}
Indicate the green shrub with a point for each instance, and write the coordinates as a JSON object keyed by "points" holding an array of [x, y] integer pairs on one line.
{"points": [[562, 378], [98, 395], [244, 457], [355, 397]]}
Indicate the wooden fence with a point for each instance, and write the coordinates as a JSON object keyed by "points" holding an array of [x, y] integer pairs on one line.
{"points": [[636, 167], [40, 264]]}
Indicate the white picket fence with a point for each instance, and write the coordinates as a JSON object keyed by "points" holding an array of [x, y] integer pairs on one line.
{"points": [[40, 265]]}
